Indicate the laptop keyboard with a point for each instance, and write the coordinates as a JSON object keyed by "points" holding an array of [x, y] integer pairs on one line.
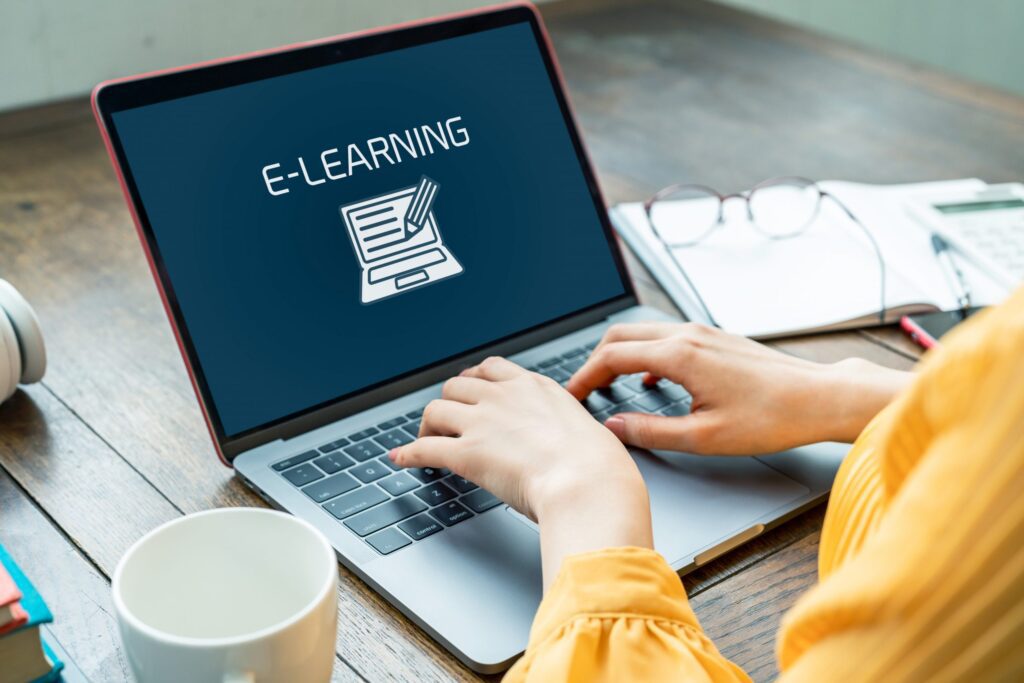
{"points": [[391, 507]]}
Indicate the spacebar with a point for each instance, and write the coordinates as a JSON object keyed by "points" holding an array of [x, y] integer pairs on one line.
{"points": [[427, 258], [384, 515]]}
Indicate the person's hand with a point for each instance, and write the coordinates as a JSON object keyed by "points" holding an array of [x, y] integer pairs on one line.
{"points": [[747, 398], [522, 437]]}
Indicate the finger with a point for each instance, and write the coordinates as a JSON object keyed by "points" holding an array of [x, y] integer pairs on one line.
{"points": [[618, 358], [427, 451], [693, 433], [444, 418], [650, 379], [494, 369], [637, 332], [465, 389]]}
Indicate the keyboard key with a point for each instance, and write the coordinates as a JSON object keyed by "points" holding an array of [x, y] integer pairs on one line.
{"points": [[549, 363], [451, 513], [557, 374], [574, 364], [391, 424], [385, 514], [357, 501], [330, 487], [364, 451], [388, 541], [415, 415], [574, 353], [480, 500], [303, 474], [673, 391], [420, 526], [294, 460], [333, 446], [387, 461], [595, 403], [370, 471], [633, 382], [393, 439], [460, 484], [435, 494], [616, 393], [650, 401], [397, 484], [626, 407], [413, 428], [604, 414], [676, 409], [334, 462], [428, 474], [359, 436]]}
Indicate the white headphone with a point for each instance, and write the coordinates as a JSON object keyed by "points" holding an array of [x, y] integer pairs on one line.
{"points": [[22, 353]]}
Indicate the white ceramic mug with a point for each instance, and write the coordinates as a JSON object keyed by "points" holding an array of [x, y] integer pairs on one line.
{"points": [[234, 594]]}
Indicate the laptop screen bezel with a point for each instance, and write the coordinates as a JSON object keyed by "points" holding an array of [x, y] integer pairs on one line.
{"points": [[113, 97]]}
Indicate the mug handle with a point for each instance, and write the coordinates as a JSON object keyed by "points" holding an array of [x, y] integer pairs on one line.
{"points": [[239, 677]]}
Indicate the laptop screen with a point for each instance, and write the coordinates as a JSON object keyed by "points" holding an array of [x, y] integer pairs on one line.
{"points": [[329, 230]]}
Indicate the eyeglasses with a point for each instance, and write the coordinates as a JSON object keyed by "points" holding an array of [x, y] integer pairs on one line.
{"points": [[778, 208]]}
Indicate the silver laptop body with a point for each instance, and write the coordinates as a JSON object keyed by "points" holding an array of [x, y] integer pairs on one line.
{"points": [[701, 506]]}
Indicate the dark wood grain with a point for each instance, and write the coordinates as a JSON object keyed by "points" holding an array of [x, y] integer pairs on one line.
{"points": [[113, 443], [742, 615]]}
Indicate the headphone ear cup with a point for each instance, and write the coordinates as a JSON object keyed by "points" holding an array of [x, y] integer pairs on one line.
{"points": [[10, 358], [28, 333]]}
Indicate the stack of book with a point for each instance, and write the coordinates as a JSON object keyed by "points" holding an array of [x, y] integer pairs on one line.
{"points": [[25, 655]]}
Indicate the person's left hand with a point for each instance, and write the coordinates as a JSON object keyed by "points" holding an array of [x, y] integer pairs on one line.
{"points": [[525, 439], [519, 435]]}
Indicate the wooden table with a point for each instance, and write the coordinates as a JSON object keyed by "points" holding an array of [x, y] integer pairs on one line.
{"points": [[112, 444]]}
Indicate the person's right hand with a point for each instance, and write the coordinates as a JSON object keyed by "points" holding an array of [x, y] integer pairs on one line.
{"points": [[747, 398]]}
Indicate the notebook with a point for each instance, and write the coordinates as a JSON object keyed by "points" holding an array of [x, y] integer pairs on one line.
{"points": [[825, 279], [23, 652], [12, 615]]}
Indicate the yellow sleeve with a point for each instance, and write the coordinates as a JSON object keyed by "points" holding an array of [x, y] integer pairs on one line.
{"points": [[923, 571], [619, 615]]}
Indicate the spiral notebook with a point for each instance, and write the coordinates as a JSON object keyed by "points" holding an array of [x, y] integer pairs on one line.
{"points": [[825, 279]]}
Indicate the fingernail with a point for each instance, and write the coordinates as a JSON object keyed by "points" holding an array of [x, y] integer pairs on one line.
{"points": [[617, 426], [393, 454]]}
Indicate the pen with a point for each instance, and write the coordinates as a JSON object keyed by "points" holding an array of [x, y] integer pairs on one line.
{"points": [[419, 207], [953, 274]]}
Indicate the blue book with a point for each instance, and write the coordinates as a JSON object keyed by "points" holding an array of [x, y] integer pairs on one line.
{"points": [[25, 655]]}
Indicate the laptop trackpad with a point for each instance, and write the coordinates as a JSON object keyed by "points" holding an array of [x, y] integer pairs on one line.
{"points": [[700, 501]]}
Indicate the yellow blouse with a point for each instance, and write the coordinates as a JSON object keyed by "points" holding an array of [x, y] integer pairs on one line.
{"points": [[921, 562]]}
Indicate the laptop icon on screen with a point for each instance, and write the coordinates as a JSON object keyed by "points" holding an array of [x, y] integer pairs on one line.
{"points": [[397, 241]]}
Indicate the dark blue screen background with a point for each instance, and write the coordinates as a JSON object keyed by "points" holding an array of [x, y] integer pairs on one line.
{"points": [[269, 285]]}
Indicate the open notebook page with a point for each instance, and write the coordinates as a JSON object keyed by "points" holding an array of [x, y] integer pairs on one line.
{"points": [[883, 208], [827, 278], [761, 287]]}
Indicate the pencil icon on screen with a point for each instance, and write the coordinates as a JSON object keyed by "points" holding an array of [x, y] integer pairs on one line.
{"points": [[419, 208]]}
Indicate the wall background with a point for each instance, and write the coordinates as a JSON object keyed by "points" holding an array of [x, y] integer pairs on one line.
{"points": [[52, 49], [982, 40]]}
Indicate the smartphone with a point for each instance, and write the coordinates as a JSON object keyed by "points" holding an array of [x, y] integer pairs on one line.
{"points": [[926, 329]]}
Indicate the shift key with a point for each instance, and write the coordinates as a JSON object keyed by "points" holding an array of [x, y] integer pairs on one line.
{"points": [[385, 515]]}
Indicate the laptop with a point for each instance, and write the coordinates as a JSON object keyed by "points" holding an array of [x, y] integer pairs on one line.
{"points": [[262, 187]]}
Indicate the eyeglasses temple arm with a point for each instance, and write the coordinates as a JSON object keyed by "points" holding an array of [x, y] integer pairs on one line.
{"points": [[874, 245]]}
